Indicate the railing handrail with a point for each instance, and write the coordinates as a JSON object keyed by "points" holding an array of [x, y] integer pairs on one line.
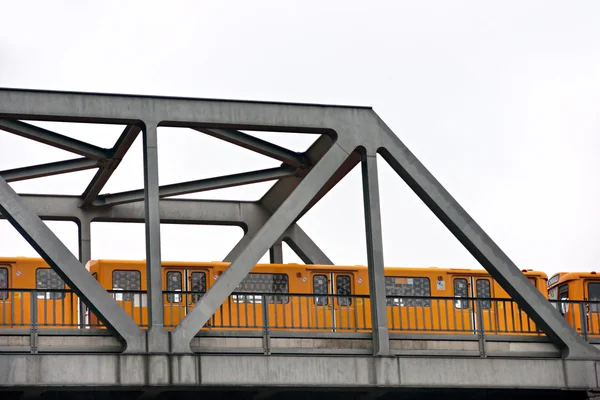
{"points": [[357, 296]]}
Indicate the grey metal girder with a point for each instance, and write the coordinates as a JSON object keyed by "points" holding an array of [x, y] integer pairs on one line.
{"points": [[483, 248], [54, 139], [379, 321], [258, 245], [250, 216], [56, 254], [353, 127], [304, 247], [257, 145], [201, 185], [106, 170], [158, 338], [276, 253], [53, 168]]}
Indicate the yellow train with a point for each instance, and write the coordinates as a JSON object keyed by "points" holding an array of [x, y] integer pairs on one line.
{"points": [[577, 297], [280, 296]]}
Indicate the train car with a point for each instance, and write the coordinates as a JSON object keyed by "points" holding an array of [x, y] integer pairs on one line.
{"points": [[445, 312], [34, 293], [326, 298], [575, 295], [321, 298]]}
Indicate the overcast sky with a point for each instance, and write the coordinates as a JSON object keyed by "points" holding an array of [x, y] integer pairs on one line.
{"points": [[499, 100]]}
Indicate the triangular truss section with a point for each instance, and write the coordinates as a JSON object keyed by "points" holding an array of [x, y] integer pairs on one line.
{"points": [[348, 136]]}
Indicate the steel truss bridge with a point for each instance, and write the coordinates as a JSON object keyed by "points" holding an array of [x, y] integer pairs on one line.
{"points": [[129, 360]]}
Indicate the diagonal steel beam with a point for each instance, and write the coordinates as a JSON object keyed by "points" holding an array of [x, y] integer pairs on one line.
{"points": [[54, 139], [42, 170], [304, 247], [483, 248], [256, 248], [202, 185], [108, 168], [258, 145], [56, 254]]}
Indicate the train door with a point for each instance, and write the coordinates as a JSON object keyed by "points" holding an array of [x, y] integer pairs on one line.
{"points": [[6, 305], [331, 309], [592, 295], [185, 281], [126, 290], [462, 317], [488, 316]]}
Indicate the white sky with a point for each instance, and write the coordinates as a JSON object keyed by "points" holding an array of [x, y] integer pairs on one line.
{"points": [[501, 102]]}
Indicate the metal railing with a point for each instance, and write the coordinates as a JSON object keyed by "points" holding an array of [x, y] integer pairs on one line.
{"points": [[51, 308]]}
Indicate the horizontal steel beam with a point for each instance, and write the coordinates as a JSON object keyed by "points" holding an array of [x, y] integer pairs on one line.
{"points": [[202, 185], [54, 139], [258, 145], [105, 172], [42, 170], [172, 211]]}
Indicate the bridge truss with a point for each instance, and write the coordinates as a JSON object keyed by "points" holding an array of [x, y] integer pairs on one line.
{"points": [[348, 136]]}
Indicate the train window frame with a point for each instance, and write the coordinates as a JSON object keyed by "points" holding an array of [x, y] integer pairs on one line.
{"points": [[346, 300], [485, 304], [198, 293], [596, 306], [318, 298], [4, 293], [460, 304], [174, 297], [49, 295], [284, 298], [554, 279], [394, 299], [563, 307], [125, 296]]}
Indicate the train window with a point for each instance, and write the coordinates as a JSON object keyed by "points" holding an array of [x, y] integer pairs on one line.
{"points": [[320, 287], [198, 285], [563, 294], [263, 283], [343, 287], [553, 280], [532, 280], [484, 292], [174, 285], [126, 281], [594, 295], [46, 278], [396, 287], [461, 289], [3, 283]]}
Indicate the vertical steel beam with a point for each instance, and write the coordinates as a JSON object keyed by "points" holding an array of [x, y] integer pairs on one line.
{"points": [[85, 244], [61, 260], [85, 255], [381, 336], [157, 335], [281, 219], [483, 248], [276, 253]]}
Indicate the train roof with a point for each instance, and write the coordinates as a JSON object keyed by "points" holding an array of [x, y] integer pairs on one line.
{"points": [[206, 264], [561, 277]]}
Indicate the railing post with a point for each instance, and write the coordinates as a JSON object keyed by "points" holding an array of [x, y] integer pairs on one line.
{"points": [[582, 316], [480, 328], [33, 340], [266, 340]]}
